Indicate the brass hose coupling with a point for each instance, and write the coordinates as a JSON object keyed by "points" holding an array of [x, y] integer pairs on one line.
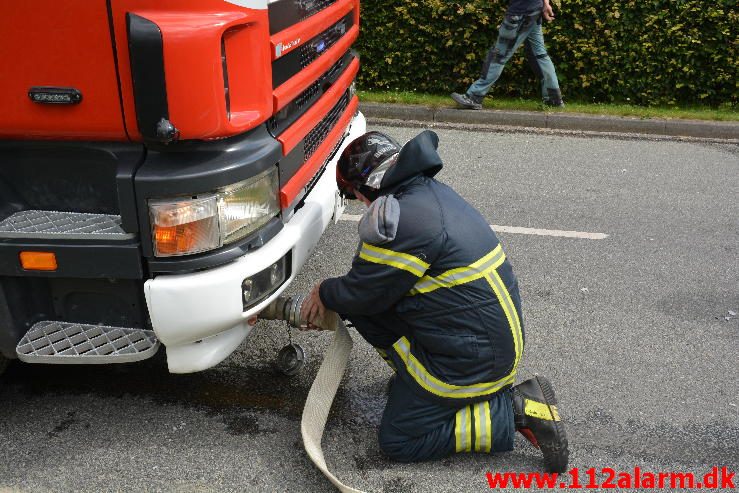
{"points": [[287, 308]]}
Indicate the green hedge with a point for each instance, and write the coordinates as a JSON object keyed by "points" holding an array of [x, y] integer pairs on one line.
{"points": [[645, 52]]}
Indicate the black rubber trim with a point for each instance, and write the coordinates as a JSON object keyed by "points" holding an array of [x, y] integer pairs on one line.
{"points": [[286, 13], [146, 52], [128, 164], [229, 253], [194, 167], [10, 331], [78, 259]]}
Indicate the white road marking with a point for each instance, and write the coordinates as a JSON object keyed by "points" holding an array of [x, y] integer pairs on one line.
{"points": [[549, 232], [519, 230], [350, 217]]}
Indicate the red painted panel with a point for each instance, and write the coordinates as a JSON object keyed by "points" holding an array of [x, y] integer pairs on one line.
{"points": [[53, 43], [192, 31]]}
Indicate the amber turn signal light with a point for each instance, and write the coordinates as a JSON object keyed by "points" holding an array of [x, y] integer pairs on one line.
{"points": [[38, 260]]}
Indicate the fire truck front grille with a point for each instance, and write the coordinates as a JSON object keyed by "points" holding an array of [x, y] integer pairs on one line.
{"points": [[298, 106], [298, 59], [310, 51], [286, 13], [316, 136]]}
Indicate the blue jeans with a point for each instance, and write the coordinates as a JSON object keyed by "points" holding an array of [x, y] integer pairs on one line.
{"points": [[515, 31]]}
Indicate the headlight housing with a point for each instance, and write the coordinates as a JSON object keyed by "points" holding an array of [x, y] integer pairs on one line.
{"points": [[183, 226], [259, 286]]}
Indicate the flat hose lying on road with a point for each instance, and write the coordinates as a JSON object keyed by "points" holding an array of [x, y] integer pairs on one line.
{"points": [[323, 390]]}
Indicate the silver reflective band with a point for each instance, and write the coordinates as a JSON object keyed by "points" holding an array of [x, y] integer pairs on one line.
{"points": [[483, 430], [374, 180], [463, 430]]}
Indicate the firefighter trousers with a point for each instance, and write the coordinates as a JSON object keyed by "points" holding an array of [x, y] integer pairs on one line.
{"points": [[415, 428]]}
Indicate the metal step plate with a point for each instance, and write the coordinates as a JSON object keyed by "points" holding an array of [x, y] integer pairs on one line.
{"points": [[67, 225], [79, 344]]}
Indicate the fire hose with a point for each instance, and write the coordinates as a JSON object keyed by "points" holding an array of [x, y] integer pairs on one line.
{"points": [[323, 390]]}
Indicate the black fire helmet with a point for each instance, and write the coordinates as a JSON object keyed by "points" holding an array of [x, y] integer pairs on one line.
{"points": [[363, 164]]}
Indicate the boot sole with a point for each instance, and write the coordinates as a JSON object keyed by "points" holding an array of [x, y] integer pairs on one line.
{"points": [[556, 453]]}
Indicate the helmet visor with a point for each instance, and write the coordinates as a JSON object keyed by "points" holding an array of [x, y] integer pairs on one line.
{"points": [[364, 163]]}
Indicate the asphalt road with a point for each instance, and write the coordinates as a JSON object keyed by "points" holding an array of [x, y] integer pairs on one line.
{"points": [[631, 329]]}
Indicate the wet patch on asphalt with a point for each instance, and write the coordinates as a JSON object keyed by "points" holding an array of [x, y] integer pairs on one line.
{"points": [[64, 424], [224, 391]]}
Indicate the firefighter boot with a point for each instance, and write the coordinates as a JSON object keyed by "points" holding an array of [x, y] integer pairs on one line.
{"points": [[536, 418]]}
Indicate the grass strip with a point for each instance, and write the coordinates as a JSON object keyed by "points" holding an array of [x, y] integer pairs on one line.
{"points": [[723, 113]]}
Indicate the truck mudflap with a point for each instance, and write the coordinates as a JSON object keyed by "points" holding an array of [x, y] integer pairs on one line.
{"points": [[201, 318]]}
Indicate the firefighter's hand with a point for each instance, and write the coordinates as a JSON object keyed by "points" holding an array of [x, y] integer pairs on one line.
{"points": [[547, 12], [313, 308]]}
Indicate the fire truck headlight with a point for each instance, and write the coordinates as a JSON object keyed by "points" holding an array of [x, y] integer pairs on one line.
{"points": [[248, 205], [183, 226]]}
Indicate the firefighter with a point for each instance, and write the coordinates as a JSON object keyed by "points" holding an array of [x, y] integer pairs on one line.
{"points": [[431, 289]]}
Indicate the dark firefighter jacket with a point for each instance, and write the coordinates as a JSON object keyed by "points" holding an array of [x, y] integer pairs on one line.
{"points": [[446, 277]]}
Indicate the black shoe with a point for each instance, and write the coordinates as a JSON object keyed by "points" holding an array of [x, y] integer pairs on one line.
{"points": [[466, 102], [554, 104], [537, 418]]}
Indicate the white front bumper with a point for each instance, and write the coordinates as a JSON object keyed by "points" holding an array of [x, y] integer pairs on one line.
{"points": [[200, 317]]}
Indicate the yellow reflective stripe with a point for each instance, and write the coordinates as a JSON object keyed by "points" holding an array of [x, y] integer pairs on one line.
{"points": [[399, 260], [461, 275], [541, 411], [384, 356], [463, 430], [442, 389], [509, 308]]}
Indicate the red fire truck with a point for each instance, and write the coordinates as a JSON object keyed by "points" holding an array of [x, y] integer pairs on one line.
{"points": [[166, 168]]}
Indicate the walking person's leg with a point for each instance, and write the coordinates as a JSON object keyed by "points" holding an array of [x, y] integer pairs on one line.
{"points": [[538, 57], [512, 33]]}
